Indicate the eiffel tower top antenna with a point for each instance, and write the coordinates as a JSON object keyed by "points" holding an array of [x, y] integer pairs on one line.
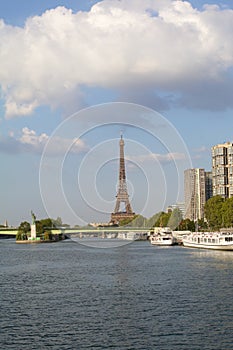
{"points": [[122, 196]]}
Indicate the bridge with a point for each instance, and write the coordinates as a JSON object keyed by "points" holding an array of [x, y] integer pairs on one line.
{"points": [[8, 232], [11, 232]]}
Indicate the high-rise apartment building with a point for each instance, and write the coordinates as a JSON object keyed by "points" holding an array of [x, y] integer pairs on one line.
{"points": [[208, 185], [195, 193], [222, 169]]}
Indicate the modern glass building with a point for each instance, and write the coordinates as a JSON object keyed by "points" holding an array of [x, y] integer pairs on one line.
{"points": [[194, 193], [222, 169]]}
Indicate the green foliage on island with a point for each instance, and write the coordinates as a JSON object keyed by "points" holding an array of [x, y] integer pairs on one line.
{"points": [[24, 230], [24, 227], [21, 236], [47, 236], [42, 226], [43, 229]]}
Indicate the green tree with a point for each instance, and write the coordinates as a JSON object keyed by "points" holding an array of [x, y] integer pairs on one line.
{"points": [[163, 220], [19, 236], [128, 221], [151, 222], [202, 225], [46, 223], [24, 227], [139, 221], [57, 222], [47, 236], [23, 231], [175, 219], [43, 225], [39, 228], [227, 213], [186, 225], [214, 212]]}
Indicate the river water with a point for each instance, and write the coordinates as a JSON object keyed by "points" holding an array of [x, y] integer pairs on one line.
{"points": [[69, 296]]}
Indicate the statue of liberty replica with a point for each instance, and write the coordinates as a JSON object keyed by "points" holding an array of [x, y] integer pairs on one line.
{"points": [[33, 226]]}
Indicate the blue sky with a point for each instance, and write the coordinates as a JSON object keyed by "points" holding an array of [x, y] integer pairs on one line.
{"points": [[135, 57]]}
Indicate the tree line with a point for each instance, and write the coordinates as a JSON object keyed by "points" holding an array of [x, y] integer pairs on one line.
{"points": [[173, 219], [219, 212]]}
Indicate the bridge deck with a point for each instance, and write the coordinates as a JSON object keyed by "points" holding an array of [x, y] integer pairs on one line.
{"points": [[13, 231]]}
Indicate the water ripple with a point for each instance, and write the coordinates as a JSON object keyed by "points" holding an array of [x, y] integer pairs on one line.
{"points": [[65, 296]]}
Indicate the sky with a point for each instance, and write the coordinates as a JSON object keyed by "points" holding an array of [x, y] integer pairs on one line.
{"points": [[74, 75]]}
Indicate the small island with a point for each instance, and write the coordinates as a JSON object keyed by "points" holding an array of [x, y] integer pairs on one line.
{"points": [[39, 231]]}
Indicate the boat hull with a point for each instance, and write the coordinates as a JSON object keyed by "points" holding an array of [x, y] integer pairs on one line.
{"points": [[207, 246], [167, 244], [209, 240], [161, 241]]}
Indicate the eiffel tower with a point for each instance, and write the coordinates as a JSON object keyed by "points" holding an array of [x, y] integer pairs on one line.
{"points": [[122, 194]]}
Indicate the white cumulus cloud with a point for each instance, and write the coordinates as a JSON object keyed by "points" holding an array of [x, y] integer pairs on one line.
{"points": [[29, 137], [30, 142], [152, 45], [158, 157], [55, 145]]}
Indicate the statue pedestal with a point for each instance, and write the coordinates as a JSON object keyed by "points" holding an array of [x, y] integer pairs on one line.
{"points": [[33, 231]]}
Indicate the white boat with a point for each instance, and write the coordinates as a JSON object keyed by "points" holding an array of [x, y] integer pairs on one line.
{"points": [[179, 235], [209, 240], [163, 238]]}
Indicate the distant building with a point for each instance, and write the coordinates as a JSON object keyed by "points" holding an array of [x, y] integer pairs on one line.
{"points": [[195, 193], [100, 224], [208, 185], [222, 169], [179, 205]]}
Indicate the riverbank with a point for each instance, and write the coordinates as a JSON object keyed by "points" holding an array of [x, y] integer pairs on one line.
{"points": [[55, 238], [36, 241]]}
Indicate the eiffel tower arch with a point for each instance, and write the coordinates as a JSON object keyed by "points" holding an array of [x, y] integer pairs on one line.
{"points": [[122, 196]]}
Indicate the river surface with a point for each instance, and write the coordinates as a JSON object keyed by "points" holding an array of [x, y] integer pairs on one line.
{"points": [[69, 296]]}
